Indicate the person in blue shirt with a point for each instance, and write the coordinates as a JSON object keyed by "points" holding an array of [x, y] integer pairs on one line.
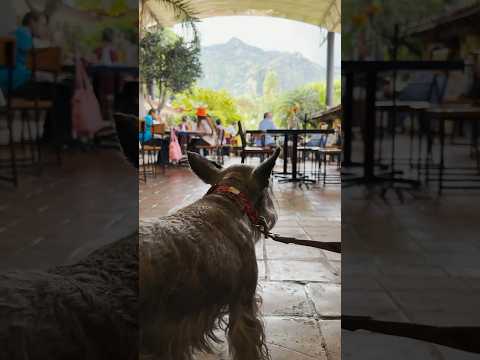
{"points": [[32, 24], [267, 124], [146, 135]]}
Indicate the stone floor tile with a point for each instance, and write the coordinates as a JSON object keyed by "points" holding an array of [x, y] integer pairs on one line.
{"points": [[331, 333], [294, 338], [326, 299], [306, 271], [284, 299]]}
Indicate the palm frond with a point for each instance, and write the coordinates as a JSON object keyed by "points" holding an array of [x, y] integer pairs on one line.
{"points": [[182, 11]]}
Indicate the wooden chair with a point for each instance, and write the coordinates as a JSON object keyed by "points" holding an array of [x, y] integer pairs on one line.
{"points": [[7, 60], [148, 153], [217, 148], [142, 164], [261, 151], [46, 60], [158, 131], [331, 152]]}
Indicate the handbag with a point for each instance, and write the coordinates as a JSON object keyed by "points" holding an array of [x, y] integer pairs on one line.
{"points": [[175, 152], [87, 117]]}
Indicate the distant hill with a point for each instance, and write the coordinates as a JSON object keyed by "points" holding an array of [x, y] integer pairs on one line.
{"points": [[241, 68]]}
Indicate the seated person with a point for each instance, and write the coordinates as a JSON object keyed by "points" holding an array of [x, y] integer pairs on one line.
{"points": [[266, 124], [32, 25], [184, 126], [317, 140], [207, 135], [219, 129], [146, 135]]}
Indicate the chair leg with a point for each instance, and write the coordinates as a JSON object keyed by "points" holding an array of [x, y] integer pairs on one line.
{"points": [[32, 152], [13, 159], [37, 138], [325, 169]]}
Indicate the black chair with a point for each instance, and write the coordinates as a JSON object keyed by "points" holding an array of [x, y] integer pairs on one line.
{"points": [[260, 151]]}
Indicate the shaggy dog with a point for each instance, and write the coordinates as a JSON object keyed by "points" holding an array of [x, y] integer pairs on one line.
{"points": [[198, 267], [88, 310]]}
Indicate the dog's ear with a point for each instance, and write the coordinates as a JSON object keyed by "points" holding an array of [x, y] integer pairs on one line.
{"points": [[262, 173], [203, 168]]}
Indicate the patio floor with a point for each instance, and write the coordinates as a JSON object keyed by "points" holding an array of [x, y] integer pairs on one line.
{"points": [[414, 261], [68, 211], [300, 286]]}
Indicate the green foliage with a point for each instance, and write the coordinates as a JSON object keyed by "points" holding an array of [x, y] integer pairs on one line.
{"points": [[271, 85], [293, 105], [307, 99], [168, 62], [220, 104]]}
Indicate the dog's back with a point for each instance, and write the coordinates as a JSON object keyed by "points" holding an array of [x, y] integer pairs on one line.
{"points": [[199, 264], [194, 265]]}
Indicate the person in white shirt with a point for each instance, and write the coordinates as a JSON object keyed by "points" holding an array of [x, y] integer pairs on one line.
{"points": [[267, 124]]}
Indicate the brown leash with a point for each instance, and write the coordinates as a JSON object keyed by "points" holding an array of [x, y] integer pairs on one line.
{"points": [[335, 247]]}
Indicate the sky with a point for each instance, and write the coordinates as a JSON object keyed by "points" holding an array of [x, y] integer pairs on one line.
{"points": [[268, 33]]}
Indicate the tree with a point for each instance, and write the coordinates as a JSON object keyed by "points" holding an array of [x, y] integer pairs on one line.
{"points": [[220, 104], [270, 86], [169, 63], [292, 106], [182, 12]]}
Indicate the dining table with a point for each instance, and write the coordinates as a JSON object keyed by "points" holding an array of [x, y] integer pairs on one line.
{"points": [[294, 134], [370, 70], [456, 112]]}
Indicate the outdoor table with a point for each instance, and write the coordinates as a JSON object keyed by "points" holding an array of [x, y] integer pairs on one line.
{"points": [[415, 108], [371, 69], [187, 135], [295, 134], [455, 113]]}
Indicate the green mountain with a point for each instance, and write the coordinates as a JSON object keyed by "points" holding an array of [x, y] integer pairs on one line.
{"points": [[241, 68]]}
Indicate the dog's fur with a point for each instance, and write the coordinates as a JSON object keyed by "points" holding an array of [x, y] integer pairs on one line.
{"points": [[198, 267], [88, 310]]}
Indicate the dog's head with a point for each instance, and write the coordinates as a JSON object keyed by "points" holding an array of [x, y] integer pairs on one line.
{"points": [[254, 182]]}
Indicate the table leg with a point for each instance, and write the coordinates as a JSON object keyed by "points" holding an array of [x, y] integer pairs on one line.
{"points": [[429, 149], [347, 118], [369, 150], [475, 143], [294, 156], [285, 154], [324, 168], [442, 154], [412, 134], [421, 126]]}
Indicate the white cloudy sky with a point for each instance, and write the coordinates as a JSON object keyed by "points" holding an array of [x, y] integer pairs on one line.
{"points": [[268, 33]]}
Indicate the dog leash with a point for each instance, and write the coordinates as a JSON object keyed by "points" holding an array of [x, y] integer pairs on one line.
{"points": [[261, 223], [335, 247]]}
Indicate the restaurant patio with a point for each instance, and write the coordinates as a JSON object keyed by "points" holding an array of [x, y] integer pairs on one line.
{"points": [[300, 285]]}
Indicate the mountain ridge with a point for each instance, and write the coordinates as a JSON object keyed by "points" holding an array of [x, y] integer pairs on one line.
{"points": [[241, 68]]}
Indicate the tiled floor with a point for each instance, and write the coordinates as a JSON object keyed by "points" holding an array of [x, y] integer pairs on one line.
{"points": [[300, 286], [413, 261], [68, 211]]}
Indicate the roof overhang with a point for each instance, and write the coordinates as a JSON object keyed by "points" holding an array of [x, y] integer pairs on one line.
{"points": [[323, 13]]}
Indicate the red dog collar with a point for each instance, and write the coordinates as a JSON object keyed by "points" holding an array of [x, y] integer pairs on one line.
{"points": [[239, 197]]}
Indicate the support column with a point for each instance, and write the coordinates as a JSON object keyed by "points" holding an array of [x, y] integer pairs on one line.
{"points": [[330, 68]]}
